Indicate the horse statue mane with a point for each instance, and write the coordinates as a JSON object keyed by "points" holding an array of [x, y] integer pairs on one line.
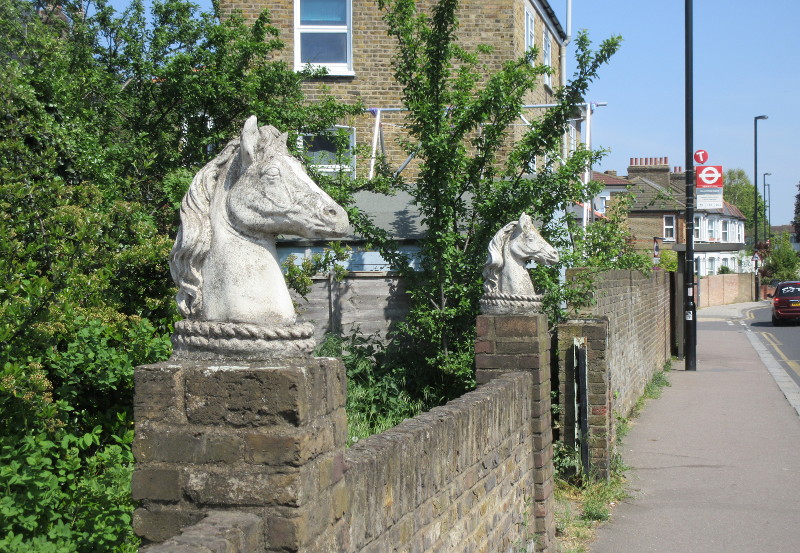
{"points": [[507, 285], [231, 291]]}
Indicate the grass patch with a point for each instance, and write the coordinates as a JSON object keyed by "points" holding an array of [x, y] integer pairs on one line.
{"points": [[582, 504], [580, 508]]}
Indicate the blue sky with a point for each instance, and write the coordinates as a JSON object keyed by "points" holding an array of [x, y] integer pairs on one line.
{"points": [[745, 64]]}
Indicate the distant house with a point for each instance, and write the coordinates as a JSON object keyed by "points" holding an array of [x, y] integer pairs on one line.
{"points": [[658, 216]]}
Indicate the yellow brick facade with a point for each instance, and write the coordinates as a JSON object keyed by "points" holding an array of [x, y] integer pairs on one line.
{"points": [[499, 24]]}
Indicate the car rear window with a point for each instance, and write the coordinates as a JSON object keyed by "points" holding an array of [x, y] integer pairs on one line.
{"points": [[790, 289]]}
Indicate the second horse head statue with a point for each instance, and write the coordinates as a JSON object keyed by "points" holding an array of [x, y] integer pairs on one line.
{"points": [[507, 285], [231, 291]]}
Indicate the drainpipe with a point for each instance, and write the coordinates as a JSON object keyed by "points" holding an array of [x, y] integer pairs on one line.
{"points": [[564, 44]]}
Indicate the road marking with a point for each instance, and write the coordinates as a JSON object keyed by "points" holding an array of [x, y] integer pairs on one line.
{"points": [[785, 382], [775, 343]]}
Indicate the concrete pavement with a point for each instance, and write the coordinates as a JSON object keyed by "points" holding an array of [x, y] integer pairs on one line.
{"points": [[715, 462]]}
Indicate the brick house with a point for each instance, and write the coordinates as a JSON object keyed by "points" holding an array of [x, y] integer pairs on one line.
{"points": [[349, 38], [659, 210]]}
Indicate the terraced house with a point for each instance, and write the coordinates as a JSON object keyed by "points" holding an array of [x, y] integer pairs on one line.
{"points": [[659, 210]]}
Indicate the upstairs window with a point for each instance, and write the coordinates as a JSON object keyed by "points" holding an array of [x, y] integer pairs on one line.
{"points": [[669, 228], [323, 36], [712, 230], [547, 58], [573, 137], [697, 231], [726, 235], [529, 31]]}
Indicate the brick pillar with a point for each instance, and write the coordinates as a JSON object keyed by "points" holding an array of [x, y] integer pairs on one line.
{"points": [[594, 336], [254, 438], [508, 343]]}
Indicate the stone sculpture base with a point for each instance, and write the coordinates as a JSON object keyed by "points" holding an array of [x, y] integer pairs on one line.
{"points": [[215, 340], [508, 304]]}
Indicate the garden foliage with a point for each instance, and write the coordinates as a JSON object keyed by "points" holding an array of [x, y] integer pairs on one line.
{"points": [[475, 175], [105, 118]]}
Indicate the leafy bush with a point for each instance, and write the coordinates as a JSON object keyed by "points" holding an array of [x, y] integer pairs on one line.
{"points": [[65, 456], [105, 118], [379, 395], [65, 492]]}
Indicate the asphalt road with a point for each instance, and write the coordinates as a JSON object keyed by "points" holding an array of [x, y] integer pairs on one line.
{"points": [[783, 342]]}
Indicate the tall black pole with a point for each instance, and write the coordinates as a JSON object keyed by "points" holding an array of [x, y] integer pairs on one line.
{"points": [[690, 310]]}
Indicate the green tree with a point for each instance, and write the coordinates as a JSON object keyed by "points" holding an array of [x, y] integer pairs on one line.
{"points": [[104, 120], [782, 262], [472, 179], [739, 191]]}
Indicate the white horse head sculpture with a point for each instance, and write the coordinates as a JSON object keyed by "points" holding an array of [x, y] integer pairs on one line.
{"points": [[224, 260], [507, 284]]}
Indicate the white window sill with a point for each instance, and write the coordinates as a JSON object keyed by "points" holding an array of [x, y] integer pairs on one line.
{"points": [[332, 71]]}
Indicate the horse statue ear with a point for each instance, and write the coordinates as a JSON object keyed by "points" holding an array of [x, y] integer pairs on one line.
{"points": [[525, 221], [249, 141]]}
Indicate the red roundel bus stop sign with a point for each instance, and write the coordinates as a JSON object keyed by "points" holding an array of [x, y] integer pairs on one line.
{"points": [[709, 176]]}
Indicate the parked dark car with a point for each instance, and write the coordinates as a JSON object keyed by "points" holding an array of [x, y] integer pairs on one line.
{"points": [[786, 303]]}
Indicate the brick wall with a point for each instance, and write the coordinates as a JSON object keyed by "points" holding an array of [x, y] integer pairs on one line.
{"points": [[627, 335], [592, 335], [726, 289], [458, 478], [262, 440], [261, 448], [638, 311]]}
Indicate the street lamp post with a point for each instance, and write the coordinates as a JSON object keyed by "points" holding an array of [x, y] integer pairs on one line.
{"points": [[755, 197], [769, 210], [766, 219]]}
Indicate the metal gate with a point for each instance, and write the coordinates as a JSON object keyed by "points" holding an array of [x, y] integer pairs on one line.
{"points": [[581, 407]]}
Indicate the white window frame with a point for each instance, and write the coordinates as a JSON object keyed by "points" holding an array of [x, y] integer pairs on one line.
{"points": [[698, 230], [334, 169], [337, 69], [530, 30], [573, 137], [547, 56], [726, 231], [669, 228], [712, 231]]}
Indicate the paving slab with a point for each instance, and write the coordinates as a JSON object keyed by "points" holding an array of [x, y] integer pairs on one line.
{"points": [[715, 461]]}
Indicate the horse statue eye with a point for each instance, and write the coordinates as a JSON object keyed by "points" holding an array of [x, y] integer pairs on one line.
{"points": [[271, 172]]}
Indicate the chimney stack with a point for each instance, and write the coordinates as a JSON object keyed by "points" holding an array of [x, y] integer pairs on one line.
{"points": [[655, 169]]}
